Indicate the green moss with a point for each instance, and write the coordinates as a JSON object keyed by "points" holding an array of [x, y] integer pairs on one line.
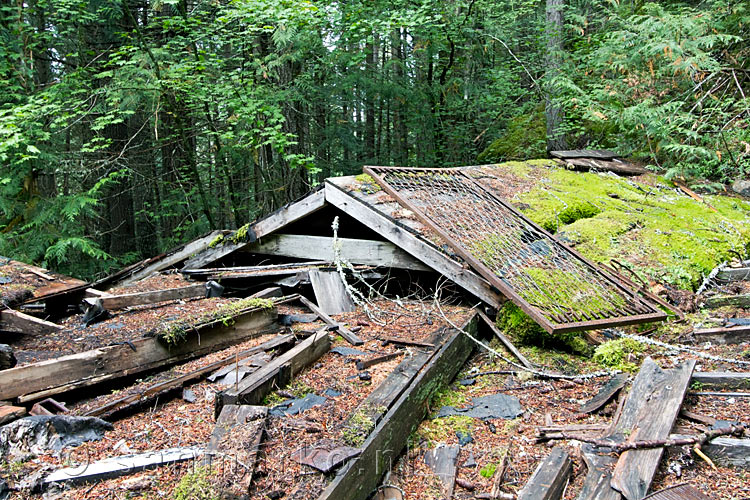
{"points": [[571, 214], [358, 427], [525, 137], [367, 184], [615, 354], [195, 485], [516, 323], [440, 430], [176, 331], [240, 236], [488, 470], [216, 241], [671, 237]]}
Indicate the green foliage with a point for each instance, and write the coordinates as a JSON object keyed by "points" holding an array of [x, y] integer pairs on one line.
{"points": [[195, 485], [488, 470], [619, 354], [524, 138], [516, 323], [358, 427]]}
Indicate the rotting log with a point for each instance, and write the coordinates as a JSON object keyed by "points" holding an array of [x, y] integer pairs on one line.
{"points": [[267, 225], [253, 388], [122, 465], [15, 321], [155, 391], [415, 245], [506, 341], [550, 477], [356, 251], [729, 335], [723, 380], [135, 299], [727, 300], [358, 478], [344, 332], [55, 376]]}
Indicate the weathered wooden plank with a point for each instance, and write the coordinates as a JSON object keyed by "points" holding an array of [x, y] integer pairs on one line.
{"points": [[330, 292], [723, 380], [683, 491], [506, 341], [355, 251], [344, 332], [443, 461], [729, 274], [233, 447], [650, 416], [172, 258], [135, 299], [10, 413], [159, 390], [727, 300], [725, 451], [550, 477], [267, 225], [601, 154], [54, 376], [119, 466], [364, 365], [415, 245], [731, 335], [15, 321], [605, 394], [357, 479], [256, 386]]}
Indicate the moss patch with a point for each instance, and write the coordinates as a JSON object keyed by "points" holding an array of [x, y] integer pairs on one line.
{"points": [[619, 354], [524, 137]]}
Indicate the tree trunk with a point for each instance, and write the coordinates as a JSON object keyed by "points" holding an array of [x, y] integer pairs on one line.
{"points": [[553, 112]]}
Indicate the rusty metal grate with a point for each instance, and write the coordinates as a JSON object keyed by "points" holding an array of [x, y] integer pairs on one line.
{"points": [[552, 283]]}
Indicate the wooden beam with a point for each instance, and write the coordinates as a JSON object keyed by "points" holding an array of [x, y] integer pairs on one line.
{"points": [[733, 274], [135, 299], [727, 300], [506, 342], [14, 321], [122, 465], [357, 479], [344, 332], [723, 380], [356, 251], [263, 227], [416, 246], [55, 376], [550, 477], [330, 292], [253, 388], [10, 413], [657, 409], [171, 259], [157, 391], [725, 451], [729, 335]]}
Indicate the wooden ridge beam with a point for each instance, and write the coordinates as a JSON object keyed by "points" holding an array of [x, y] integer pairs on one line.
{"points": [[358, 478], [415, 245], [55, 376], [356, 251], [140, 298], [253, 388], [15, 321], [263, 227]]}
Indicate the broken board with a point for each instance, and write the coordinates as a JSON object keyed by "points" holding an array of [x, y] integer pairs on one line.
{"points": [[330, 292]]}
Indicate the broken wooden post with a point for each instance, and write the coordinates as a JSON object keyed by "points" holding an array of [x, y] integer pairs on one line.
{"points": [[277, 373], [119, 466], [15, 321], [46, 378], [234, 446], [550, 477], [344, 332], [357, 479]]}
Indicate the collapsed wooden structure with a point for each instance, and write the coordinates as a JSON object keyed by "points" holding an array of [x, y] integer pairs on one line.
{"points": [[350, 230]]}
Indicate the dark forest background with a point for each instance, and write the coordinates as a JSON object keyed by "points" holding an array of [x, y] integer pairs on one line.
{"points": [[129, 126]]}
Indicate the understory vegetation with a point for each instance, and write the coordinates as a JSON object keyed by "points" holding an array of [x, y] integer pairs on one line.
{"points": [[127, 127]]}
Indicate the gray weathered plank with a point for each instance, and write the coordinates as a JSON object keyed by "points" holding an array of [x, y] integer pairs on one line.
{"points": [[15, 321], [267, 225], [606, 393], [650, 416], [550, 477], [355, 251], [54, 376], [135, 299], [357, 479], [723, 380], [732, 335], [733, 274], [330, 292], [725, 451], [601, 154], [119, 466], [443, 460], [415, 245], [727, 300]]}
